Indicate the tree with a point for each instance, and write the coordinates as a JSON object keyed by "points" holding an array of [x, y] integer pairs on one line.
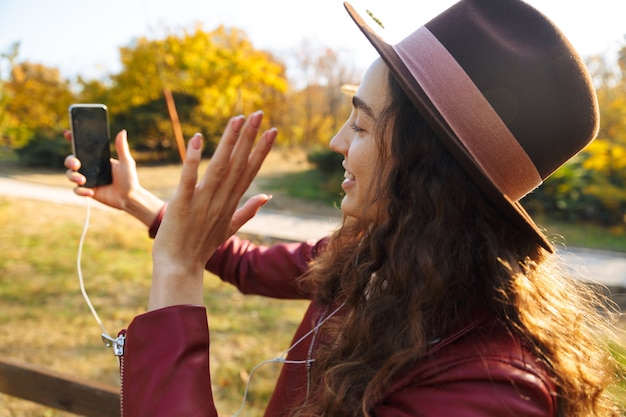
{"points": [[317, 109], [33, 110], [93, 91], [38, 99], [7, 62], [606, 156], [220, 69]]}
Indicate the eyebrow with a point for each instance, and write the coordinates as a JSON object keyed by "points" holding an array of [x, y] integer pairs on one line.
{"points": [[359, 104]]}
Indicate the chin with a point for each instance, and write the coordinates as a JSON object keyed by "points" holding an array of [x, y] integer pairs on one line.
{"points": [[351, 209], [346, 208]]}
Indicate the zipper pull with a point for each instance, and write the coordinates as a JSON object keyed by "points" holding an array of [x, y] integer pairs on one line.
{"points": [[117, 344]]}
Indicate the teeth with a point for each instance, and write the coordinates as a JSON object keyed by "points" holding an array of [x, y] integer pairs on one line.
{"points": [[347, 174]]}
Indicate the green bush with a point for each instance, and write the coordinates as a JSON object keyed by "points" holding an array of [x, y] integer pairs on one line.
{"points": [[44, 151], [326, 161], [577, 194]]}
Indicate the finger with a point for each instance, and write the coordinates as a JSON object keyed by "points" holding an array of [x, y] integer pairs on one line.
{"points": [[237, 180], [189, 175], [246, 212], [67, 134], [220, 161], [122, 148], [262, 149], [84, 192], [72, 163], [245, 142], [255, 161], [75, 177]]}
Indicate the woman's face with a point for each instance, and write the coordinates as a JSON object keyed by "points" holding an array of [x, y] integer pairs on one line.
{"points": [[360, 147]]}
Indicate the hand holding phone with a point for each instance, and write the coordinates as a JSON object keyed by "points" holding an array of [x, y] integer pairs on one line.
{"points": [[91, 141]]}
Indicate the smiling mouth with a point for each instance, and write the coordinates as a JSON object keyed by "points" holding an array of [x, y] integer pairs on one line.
{"points": [[347, 174]]}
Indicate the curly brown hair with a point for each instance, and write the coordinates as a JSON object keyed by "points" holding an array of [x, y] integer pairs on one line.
{"points": [[442, 254]]}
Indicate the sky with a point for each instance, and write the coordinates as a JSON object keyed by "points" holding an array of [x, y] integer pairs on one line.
{"points": [[82, 37]]}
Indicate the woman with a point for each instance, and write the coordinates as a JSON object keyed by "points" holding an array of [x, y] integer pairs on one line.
{"points": [[438, 295]]}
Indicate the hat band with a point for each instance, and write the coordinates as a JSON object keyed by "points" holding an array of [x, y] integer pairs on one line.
{"points": [[468, 113]]}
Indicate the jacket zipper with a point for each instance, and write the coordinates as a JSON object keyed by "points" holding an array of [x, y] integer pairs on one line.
{"points": [[118, 350]]}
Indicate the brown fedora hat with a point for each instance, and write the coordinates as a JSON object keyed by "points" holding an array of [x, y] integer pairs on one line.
{"points": [[503, 89]]}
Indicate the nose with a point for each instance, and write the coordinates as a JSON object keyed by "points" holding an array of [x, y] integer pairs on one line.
{"points": [[340, 142]]}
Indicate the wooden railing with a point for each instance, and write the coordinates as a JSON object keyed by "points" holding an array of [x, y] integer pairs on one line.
{"points": [[55, 390]]}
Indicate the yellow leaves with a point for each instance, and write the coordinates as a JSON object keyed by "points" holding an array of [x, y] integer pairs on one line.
{"points": [[36, 99], [607, 160], [137, 100], [221, 68], [605, 156], [169, 60], [19, 75]]}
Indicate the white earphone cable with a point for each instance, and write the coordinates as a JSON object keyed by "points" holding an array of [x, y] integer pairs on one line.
{"points": [[282, 358], [80, 270]]}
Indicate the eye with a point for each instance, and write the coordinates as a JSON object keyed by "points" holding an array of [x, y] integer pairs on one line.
{"points": [[355, 127]]}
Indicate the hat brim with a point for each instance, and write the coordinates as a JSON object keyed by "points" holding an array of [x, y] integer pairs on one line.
{"points": [[512, 210]]}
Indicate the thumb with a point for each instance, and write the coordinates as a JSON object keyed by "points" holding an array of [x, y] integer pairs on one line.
{"points": [[121, 147], [246, 212]]}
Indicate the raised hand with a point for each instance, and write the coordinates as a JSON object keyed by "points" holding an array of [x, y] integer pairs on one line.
{"points": [[203, 212]]}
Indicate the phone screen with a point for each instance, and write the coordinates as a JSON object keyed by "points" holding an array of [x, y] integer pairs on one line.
{"points": [[91, 142]]}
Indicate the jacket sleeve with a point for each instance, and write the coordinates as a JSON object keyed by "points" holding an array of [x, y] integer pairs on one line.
{"points": [[165, 367], [270, 271]]}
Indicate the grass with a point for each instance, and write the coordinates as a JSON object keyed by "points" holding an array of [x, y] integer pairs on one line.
{"points": [[585, 235], [309, 185], [45, 321], [619, 353]]}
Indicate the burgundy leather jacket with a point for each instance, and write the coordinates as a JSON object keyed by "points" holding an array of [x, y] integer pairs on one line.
{"points": [[481, 370]]}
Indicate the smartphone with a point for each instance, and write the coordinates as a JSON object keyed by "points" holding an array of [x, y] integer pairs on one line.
{"points": [[91, 142]]}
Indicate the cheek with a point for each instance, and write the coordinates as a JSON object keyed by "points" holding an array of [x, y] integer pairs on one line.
{"points": [[368, 161]]}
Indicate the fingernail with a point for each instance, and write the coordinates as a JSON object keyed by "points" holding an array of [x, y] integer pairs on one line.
{"points": [[268, 198], [271, 137], [196, 141], [255, 119], [238, 122]]}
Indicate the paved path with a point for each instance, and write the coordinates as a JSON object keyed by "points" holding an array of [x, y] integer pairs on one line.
{"points": [[608, 268]]}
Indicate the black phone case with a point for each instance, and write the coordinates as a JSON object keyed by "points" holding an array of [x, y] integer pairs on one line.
{"points": [[91, 142]]}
